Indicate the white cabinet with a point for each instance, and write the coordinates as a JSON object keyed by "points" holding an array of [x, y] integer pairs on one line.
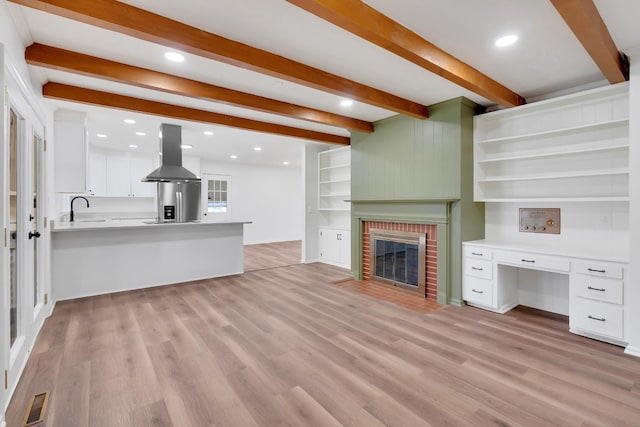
{"points": [[570, 148], [335, 246], [481, 286], [139, 168], [70, 151], [334, 189], [597, 299], [597, 305], [334, 170], [97, 173], [124, 173]]}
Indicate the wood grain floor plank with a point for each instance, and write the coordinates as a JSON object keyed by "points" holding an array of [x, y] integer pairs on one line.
{"points": [[306, 410], [283, 346], [330, 392], [153, 414]]}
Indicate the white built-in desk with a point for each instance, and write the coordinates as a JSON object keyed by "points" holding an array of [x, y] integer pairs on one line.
{"points": [[589, 289]]}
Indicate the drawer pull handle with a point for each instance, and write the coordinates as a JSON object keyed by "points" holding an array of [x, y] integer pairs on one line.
{"points": [[591, 288], [477, 253], [528, 260], [477, 292], [599, 319], [477, 268], [593, 270]]}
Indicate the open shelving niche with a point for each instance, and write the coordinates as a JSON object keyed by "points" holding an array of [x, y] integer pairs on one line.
{"points": [[334, 189], [570, 148], [334, 171]]}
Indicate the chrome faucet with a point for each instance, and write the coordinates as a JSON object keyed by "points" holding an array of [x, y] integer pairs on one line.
{"points": [[71, 213]]}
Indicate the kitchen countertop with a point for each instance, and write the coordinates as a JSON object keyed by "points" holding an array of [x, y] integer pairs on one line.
{"points": [[107, 224]]}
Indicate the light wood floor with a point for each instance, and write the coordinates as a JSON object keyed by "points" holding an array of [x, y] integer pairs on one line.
{"points": [[285, 347], [271, 255]]}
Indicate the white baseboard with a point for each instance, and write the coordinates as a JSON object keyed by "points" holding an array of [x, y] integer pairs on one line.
{"points": [[632, 350]]}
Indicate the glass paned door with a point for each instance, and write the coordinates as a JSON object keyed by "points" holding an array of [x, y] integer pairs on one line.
{"points": [[38, 292], [216, 200], [13, 227]]}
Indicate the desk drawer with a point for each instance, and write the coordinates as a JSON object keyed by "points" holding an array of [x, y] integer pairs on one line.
{"points": [[478, 291], [597, 288], [477, 252], [478, 268], [597, 269], [533, 261], [598, 317]]}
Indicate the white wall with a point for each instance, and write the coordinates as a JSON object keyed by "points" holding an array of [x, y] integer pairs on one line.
{"points": [[634, 193], [598, 227], [272, 197]]}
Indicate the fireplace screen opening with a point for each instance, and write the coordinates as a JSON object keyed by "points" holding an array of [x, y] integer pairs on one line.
{"points": [[398, 258]]}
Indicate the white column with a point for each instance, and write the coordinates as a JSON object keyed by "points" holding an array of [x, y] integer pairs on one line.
{"points": [[633, 296]]}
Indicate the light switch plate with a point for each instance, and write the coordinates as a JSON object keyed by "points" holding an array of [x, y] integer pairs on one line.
{"points": [[540, 220]]}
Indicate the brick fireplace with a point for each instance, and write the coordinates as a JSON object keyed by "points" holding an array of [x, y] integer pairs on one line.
{"points": [[431, 259]]}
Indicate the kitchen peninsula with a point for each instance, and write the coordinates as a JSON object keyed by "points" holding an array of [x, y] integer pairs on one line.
{"points": [[94, 257]]}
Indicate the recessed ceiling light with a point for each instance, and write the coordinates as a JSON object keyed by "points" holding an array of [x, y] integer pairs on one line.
{"points": [[141, 134], [101, 135], [285, 163], [233, 156], [129, 121], [208, 132], [506, 40], [174, 57], [187, 146], [133, 146], [257, 148], [346, 102]]}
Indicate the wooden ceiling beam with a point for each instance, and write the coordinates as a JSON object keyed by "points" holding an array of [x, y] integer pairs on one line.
{"points": [[135, 22], [65, 92], [362, 20], [584, 20], [73, 62]]}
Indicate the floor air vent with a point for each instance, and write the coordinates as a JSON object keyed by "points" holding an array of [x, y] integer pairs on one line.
{"points": [[35, 411]]}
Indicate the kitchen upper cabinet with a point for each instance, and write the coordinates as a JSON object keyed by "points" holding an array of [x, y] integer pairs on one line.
{"points": [[141, 167], [97, 173], [70, 151], [124, 173]]}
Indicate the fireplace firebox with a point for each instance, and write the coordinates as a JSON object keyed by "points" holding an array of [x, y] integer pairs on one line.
{"points": [[398, 258]]}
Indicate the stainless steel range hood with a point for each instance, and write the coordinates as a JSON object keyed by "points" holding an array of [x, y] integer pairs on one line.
{"points": [[171, 169]]}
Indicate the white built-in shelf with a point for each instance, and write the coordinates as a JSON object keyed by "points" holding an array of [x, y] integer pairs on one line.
{"points": [[569, 148], [335, 167], [334, 180], [555, 154], [559, 132], [604, 172], [561, 199]]}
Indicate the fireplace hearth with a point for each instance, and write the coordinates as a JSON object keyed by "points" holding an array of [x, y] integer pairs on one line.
{"points": [[404, 246]]}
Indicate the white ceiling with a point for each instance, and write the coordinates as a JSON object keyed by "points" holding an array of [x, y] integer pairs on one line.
{"points": [[547, 58]]}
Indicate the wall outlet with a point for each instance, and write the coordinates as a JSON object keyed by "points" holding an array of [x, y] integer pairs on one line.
{"points": [[540, 220]]}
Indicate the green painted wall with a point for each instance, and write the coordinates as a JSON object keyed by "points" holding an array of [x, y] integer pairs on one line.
{"points": [[408, 166]]}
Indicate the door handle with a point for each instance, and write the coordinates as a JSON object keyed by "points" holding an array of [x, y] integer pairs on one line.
{"points": [[35, 234]]}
